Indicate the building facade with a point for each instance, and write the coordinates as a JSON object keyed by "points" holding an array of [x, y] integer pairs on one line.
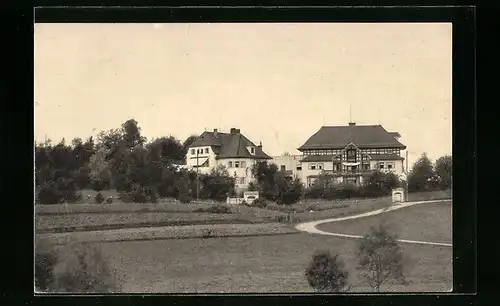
{"points": [[232, 150], [349, 153]]}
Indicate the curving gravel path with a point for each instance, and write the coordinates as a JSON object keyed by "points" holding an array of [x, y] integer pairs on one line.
{"points": [[310, 227]]}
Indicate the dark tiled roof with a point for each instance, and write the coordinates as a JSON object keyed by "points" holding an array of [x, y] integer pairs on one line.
{"points": [[319, 158], [227, 145], [363, 136], [386, 157]]}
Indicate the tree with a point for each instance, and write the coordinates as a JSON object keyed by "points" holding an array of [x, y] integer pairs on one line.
{"points": [[380, 184], [422, 175], [132, 134], [100, 173], [187, 143], [380, 258], [444, 169], [327, 273], [168, 148]]}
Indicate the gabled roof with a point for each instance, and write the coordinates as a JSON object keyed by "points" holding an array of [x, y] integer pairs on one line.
{"points": [[363, 136], [229, 145]]}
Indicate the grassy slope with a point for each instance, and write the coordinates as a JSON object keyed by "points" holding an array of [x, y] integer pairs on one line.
{"points": [[271, 263], [256, 264], [425, 222]]}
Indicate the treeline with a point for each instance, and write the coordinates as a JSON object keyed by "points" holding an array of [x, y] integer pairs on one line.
{"points": [[425, 176], [124, 160], [142, 171]]}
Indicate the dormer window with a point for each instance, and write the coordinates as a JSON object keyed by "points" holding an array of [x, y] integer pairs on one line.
{"points": [[252, 150], [192, 151]]}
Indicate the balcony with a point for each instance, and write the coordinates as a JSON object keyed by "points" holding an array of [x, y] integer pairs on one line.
{"points": [[349, 172]]}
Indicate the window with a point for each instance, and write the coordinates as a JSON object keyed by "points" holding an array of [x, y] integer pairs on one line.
{"points": [[299, 168], [352, 180], [381, 166], [243, 164], [312, 166], [351, 155], [236, 164], [389, 166], [366, 166], [320, 166], [206, 150], [252, 150], [192, 151], [230, 164], [283, 168]]}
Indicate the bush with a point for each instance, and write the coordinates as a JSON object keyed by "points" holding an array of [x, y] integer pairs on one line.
{"points": [[185, 198], [83, 269], [45, 260], [260, 203], [346, 191], [218, 209], [49, 194], [208, 233], [327, 273], [80, 268], [60, 191], [109, 200], [140, 194], [99, 198]]}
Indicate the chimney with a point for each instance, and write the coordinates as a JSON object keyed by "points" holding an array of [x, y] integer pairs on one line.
{"points": [[215, 131], [216, 135], [352, 123], [234, 131], [260, 144]]}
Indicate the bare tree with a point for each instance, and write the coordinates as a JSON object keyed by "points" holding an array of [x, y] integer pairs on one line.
{"points": [[380, 258]]}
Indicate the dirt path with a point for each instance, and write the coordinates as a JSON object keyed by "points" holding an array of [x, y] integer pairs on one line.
{"points": [[310, 227]]}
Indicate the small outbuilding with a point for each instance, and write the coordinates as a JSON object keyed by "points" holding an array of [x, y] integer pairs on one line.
{"points": [[398, 195]]}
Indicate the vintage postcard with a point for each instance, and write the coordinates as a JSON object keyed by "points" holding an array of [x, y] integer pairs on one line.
{"points": [[243, 157]]}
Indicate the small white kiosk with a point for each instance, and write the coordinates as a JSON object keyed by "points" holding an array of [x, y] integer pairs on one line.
{"points": [[398, 195]]}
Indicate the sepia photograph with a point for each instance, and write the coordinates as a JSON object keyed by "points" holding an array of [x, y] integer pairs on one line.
{"points": [[243, 158]]}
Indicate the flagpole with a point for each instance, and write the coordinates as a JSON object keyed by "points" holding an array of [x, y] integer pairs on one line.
{"points": [[197, 175]]}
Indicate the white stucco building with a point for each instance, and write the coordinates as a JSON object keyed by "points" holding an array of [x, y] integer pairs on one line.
{"points": [[233, 150]]}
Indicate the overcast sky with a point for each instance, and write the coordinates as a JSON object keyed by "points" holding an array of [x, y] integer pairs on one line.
{"points": [[278, 83]]}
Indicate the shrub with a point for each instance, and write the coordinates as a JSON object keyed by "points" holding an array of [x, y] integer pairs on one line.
{"points": [[327, 273], [109, 200], [219, 209], [60, 191], [83, 269], [208, 233], [45, 261], [79, 268], [281, 218], [185, 198], [49, 194], [260, 203], [99, 198], [346, 191]]}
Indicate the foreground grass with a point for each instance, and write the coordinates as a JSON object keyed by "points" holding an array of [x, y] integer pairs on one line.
{"points": [[256, 264], [277, 263]]}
